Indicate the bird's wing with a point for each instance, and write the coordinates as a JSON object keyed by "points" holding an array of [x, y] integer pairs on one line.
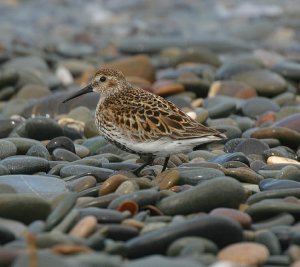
{"points": [[144, 116]]}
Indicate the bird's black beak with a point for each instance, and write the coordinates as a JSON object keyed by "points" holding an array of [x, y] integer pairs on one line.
{"points": [[85, 90]]}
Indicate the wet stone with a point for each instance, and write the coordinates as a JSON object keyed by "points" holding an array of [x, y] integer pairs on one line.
{"points": [[158, 241], [42, 128], [82, 183], [45, 187], [167, 179], [64, 155], [257, 106], [127, 187], [100, 174], [251, 146], [38, 150], [25, 164], [245, 175], [7, 149], [204, 197], [61, 142], [265, 82], [20, 206], [273, 184], [247, 253], [237, 156], [112, 183]]}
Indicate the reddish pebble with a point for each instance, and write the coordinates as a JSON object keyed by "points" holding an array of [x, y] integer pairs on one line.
{"points": [[129, 205], [84, 227], [241, 217], [111, 184], [68, 249]]}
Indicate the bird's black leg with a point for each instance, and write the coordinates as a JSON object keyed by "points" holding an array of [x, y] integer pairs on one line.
{"points": [[148, 162], [165, 163]]}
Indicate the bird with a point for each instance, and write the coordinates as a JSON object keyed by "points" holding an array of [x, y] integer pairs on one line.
{"points": [[141, 122]]}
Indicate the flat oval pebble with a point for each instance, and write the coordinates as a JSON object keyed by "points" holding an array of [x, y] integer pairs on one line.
{"points": [[111, 184], [7, 149], [167, 179], [291, 122], [64, 155], [85, 227], [38, 150], [103, 215], [157, 241], [241, 217], [274, 184], [45, 187], [286, 136], [219, 106], [127, 187], [251, 146], [269, 239], [281, 160], [204, 197], [247, 253], [257, 106], [61, 142], [82, 183], [243, 174], [25, 164], [22, 144], [237, 156], [101, 174], [20, 206], [288, 69], [265, 82]]}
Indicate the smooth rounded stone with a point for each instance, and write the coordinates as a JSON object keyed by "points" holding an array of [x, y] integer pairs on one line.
{"points": [[20, 207], [233, 164], [257, 106], [30, 91], [167, 179], [163, 261], [61, 142], [6, 235], [229, 69], [118, 232], [94, 143], [101, 174], [219, 106], [281, 160], [38, 150], [7, 125], [232, 88], [291, 122], [210, 227], [67, 222], [273, 194], [37, 227], [274, 184], [290, 173], [43, 186], [265, 82], [71, 50], [267, 207], [246, 253], [241, 217], [22, 144], [85, 227], [195, 175], [286, 136], [44, 259], [61, 210], [284, 98], [6, 188], [139, 65], [8, 77], [251, 146], [100, 202], [237, 156], [14, 227], [127, 187], [288, 69], [90, 192], [103, 215], [25, 164], [256, 165], [277, 220], [268, 239], [42, 128], [280, 151], [95, 259], [166, 87], [64, 155], [244, 175], [81, 151], [142, 198], [279, 260], [82, 183], [203, 245], [204, 197], [120, 166], [112, 183], [7, 149]]}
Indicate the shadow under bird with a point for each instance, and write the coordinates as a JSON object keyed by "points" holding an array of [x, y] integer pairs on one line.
{"points": [[143, 123]]}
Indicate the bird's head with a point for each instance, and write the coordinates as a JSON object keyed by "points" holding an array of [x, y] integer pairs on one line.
{"points": [[105, 82]]}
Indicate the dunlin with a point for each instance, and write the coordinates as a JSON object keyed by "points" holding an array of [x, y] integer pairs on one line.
{"points": [[140, 122]]}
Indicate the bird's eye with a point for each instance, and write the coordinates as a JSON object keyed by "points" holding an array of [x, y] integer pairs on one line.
{"points": [[102, 79]]}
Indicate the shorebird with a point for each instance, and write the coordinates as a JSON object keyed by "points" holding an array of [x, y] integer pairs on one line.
{"points": [[143, 123]]}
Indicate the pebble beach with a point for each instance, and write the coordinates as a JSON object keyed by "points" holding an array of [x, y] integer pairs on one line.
{"points": [[69, 198]]}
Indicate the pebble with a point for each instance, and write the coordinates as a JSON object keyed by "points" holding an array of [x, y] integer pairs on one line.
{"points": [[204, 197], [265, 82], [244, 174], [167, 179], [7, 149], [281, 160], [38, 150], [127, 187], [61, 142], [25, 164], [246, 253], [268, 239], [82, 183], [290, 122], [85, 227], [64, 155], [19, 207], [257, 106], [157, 241], [288, 69]]}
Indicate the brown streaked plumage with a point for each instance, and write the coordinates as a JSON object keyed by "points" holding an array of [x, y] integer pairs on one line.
{"points": [[143, 123]]}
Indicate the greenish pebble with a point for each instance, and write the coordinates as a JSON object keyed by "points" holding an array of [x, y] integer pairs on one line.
{"points": [[22, 144], [7, 149]]}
